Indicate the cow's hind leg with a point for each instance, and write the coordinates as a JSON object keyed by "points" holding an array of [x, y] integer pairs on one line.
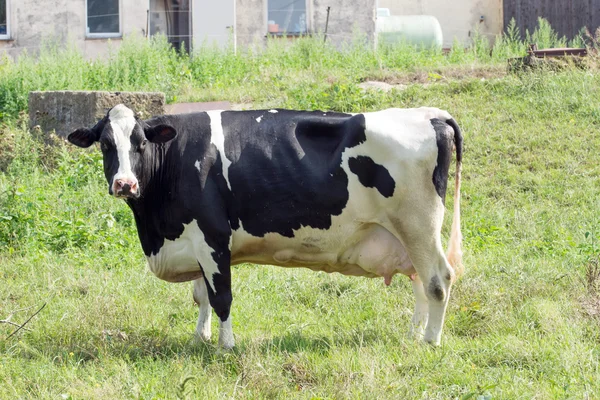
{"points": [[437, 275], [421, 313], [203, 328], [421, 235]]}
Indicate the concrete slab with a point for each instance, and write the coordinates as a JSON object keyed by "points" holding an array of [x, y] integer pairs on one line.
{"points": [[184, 108]]}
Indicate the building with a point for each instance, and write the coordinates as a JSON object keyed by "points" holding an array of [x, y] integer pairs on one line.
{"points": [[90, 24]]}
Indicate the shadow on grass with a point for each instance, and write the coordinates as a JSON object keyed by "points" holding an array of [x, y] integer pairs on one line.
{"points": [[68, 346], [71, 346], [298, 341]]}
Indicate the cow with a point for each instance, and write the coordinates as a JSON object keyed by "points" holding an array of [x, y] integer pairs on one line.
{"points": [[357, 194]]}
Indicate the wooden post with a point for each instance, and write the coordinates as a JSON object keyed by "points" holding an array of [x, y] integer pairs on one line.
{"points": [[326, 24]]}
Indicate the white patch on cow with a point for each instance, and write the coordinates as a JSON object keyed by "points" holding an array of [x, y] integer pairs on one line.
{"points": [[273, 111], [203, 327], [177, 260], [122, 121], [226, 339], [259, 119], [217, 138], [197, 165]]}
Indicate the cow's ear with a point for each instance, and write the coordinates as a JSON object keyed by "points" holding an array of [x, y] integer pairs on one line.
{"points": [[82, 137], [160, 133]]}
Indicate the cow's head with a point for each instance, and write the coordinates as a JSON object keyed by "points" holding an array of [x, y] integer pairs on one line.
{"points": [[125, 142]]}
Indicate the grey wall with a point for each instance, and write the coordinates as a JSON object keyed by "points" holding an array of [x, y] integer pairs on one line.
{"points": [[346, 18], [31, 21], [251, 20]]}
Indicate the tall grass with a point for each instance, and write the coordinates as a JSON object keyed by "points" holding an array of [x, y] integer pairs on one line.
{"points": [[211, 73]]}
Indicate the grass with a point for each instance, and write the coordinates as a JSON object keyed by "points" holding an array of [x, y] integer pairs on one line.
{"points": [[521, 322]]}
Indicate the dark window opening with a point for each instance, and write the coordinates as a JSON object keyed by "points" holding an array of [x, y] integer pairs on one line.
{"points": [[3, 21], [172, 19], [103, 17]]}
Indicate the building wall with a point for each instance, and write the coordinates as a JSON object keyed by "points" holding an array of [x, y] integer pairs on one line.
{"points": [[32, 21], [347, 17], [458, 18], [250, 22]]}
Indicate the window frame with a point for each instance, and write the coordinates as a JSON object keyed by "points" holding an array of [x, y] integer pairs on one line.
{"points": [[291, 34], [104, 35], [7, 36]]}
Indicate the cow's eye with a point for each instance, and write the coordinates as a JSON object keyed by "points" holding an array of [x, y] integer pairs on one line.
{"points": [[143, 144]]}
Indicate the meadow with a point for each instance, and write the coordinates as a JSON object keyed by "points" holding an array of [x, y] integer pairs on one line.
{"points": [[523, 322]]}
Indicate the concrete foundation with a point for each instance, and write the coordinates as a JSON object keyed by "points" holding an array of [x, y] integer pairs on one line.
{"points": [[66, 111]]}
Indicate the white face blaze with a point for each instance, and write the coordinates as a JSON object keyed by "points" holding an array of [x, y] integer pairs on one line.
{"points": [[122, 121]]}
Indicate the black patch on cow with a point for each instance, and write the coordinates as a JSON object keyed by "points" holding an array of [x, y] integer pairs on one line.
{"points": [[171, 185], [445, 141], [286, 167], [372, 175], [435, 289], [458, 138]]}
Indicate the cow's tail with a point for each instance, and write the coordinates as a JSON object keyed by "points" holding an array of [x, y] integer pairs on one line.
{"points": [[454, 254]]}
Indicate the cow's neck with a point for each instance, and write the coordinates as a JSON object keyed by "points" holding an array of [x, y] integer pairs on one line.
{"points": [[159, 195]]}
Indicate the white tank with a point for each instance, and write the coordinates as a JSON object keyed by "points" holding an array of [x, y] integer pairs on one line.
{"points": [[419, 30]]}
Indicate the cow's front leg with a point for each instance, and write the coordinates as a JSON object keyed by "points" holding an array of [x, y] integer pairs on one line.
{"points": [[203, 328]]}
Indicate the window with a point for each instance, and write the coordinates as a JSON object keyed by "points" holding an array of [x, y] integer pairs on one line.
{"points": [[287, 16], [103, 18], [4, 20]]}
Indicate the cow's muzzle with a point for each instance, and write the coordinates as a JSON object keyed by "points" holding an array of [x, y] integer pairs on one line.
{"points": [[126, 188]]}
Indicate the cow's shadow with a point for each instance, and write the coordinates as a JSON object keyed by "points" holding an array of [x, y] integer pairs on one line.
{"points": [[140, 346], [300, 342]]}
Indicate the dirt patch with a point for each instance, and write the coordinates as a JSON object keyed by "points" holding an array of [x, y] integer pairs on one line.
{"points": [[591, 306], [396, 78], [591, 302], [7, 148]]}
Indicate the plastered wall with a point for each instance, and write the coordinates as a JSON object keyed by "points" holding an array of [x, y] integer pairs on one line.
{"points": [[32, 21]]}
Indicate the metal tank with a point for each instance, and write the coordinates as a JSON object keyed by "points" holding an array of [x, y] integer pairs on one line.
{"points": [[419, 30]]}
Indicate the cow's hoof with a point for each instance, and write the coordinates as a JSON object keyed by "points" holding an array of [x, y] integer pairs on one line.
{"points": [[432, 342], [416, 333], [227, 346], [202, 336]]}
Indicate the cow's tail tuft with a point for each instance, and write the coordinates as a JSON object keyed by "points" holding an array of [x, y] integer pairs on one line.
{"points": [[455, 253]]}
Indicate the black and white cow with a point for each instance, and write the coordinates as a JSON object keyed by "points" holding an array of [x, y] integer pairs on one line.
{"points": [[356, 194]]}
